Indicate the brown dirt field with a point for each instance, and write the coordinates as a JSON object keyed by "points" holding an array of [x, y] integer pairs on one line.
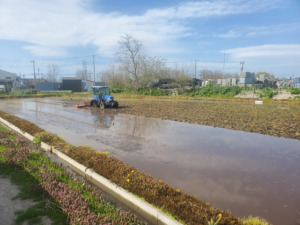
{"points": [[270, 120]]}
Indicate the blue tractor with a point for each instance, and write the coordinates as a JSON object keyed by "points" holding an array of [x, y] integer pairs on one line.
{"points": [[102, 98]]}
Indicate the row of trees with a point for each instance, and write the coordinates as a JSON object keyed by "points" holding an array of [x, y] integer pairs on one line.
{"points": [[135, 70]]}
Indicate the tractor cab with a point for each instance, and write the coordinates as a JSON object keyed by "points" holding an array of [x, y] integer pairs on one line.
{"points": [[103, 90]]}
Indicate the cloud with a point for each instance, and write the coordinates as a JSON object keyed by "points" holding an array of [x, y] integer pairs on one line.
{"points": [[198, 9], [39, 50], [50, 27], [265, 50], [259, 30], [277, 59]]}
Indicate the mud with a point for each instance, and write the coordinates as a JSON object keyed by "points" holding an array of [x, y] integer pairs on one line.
{"points": [[244, 172], [231, 115]]}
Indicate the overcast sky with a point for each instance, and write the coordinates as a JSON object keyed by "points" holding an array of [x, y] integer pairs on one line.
{"points": [[263, 33]]}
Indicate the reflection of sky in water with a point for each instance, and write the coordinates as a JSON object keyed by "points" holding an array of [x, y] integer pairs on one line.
{"points": [[245, 172]]}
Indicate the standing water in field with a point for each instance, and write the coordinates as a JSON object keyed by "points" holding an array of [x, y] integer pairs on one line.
{"points": [[245, 173]]}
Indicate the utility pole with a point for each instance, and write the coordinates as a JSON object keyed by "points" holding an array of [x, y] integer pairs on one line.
{"points": [[242, 67], [94, 67], [223, 64], [223, 70], [33, 63], [195, 76]]}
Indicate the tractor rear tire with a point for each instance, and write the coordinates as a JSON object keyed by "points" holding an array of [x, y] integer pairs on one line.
{"points": [[93, 103], [115, 105]]}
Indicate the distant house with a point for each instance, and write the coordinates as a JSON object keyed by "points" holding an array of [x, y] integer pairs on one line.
{"points": [[10, 81]]}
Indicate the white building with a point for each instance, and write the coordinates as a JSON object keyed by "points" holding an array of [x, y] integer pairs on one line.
{"points": [[10, 81]]}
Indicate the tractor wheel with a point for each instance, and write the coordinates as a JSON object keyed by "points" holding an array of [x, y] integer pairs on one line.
{"points": [[93, 103], [115, 105]]}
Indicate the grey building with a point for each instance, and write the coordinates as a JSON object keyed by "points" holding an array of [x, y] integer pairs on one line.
{"points": [[48, 86], [9, 81], [87, 85], [246, 78], [73, 84], [296, 82], [227, 82]]}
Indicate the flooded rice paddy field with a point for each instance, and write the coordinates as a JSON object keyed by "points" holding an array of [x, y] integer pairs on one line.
{"points": [[246, 173], [276, 120]]}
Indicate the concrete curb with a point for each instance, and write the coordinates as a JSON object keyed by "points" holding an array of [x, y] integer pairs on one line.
{"points": [[142, 208]]}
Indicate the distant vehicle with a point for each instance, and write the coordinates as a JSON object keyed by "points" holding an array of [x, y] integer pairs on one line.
{"points": [[102, 98]]}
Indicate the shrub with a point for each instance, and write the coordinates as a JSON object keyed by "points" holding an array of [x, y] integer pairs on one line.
{"points": [[30, 91], [268, 93], [215, 91], [295, 91], [116, 90]]}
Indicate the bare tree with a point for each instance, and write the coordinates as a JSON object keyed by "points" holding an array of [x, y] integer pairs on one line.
{"points": [[130, 55], [84, 74], [152, 69], [116, 77], [53, 73]]}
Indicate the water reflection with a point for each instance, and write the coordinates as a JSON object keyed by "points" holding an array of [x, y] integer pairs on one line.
{"points": [[244, 172], [102, 118]]}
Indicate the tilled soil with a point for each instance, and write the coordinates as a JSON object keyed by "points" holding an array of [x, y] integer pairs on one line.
{"points": [[270, 120]]}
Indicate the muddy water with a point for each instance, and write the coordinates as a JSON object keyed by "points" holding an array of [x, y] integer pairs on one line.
{"points": [[243, 172]]}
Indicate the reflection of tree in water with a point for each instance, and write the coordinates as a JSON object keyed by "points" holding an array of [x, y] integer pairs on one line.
{"points": [[103, 118], [142, 126]]}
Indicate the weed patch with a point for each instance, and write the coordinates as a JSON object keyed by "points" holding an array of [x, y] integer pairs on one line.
{"points": [[215, 91]]}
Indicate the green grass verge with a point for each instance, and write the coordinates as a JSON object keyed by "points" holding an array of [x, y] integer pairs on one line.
{"points": [[28, 189]]}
